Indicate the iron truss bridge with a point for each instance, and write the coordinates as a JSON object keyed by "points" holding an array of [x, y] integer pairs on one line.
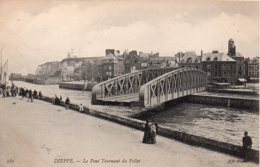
{"points": [[150, 88]]}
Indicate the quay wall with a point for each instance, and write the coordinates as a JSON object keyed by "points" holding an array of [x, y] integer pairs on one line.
{"points": [[224, 101], [233, 91], [76, 86], [169, 132]]}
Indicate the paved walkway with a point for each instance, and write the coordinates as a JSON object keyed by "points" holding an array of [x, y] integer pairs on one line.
{"points": [[39, 134]]}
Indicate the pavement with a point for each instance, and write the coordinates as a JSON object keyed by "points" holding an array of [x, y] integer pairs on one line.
{"points": [[38, 134]]}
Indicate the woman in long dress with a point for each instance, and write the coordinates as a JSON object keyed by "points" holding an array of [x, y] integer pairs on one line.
{"points": [[146, 132], [153, 133]]}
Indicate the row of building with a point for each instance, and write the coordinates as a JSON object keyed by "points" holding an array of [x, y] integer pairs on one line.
{"points": [[230, 68], [220, 67], [98, 69]]}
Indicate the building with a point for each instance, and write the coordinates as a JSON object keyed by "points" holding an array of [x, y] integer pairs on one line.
{"points": [[111, 66], [189, 59], [133, 62], [219, 67], [241, 63], [112, 52], [253, 68]]}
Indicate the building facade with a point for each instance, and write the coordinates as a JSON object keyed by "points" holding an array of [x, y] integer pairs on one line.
{"points": [[112, 65], [133, 62], [253, 68], [219, 68]]}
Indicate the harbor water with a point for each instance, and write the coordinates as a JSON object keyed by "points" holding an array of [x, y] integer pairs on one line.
{"points": [[218, 123]]}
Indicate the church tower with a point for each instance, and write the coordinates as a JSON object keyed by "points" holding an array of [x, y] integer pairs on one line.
{"points": [[231, 48]]}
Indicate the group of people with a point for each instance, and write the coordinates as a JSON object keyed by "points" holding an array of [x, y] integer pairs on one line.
{"points": [[28, 93], [57, 101], [7, 91], [25, 93], [150, 132]]}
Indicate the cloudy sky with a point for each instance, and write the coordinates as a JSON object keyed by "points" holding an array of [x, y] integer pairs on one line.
{"points": [[36, 31]]}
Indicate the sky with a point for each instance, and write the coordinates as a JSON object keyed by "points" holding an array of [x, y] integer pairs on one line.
{"points": [[33, 32]]}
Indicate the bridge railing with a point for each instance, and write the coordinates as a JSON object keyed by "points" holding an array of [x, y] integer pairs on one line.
{"points": [[172, 85], [125, 84]]}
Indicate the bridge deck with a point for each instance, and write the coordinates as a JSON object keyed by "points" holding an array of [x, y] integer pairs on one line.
{"points": [[123, 98]]}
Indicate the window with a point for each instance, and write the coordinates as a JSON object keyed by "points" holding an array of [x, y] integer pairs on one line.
{"points": [[215, 59], [216, 66], [208, 59], [208, 74], [216, 74], [189, 60], [208, 66], [225, 74]]}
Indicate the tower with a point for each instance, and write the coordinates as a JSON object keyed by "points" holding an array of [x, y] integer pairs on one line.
{"points": [[231, 47]]}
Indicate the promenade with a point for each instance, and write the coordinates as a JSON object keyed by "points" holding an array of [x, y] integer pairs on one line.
{"points": [[39, 134]]}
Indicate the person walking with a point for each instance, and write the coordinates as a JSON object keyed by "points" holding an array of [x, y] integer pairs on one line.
{"points": [[30, 96], [67, 103], [247, 144]]}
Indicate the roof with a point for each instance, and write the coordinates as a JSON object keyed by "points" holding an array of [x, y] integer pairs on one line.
{"points": [[216, 57], [128, 56], [254, 60], [189, 57]]}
